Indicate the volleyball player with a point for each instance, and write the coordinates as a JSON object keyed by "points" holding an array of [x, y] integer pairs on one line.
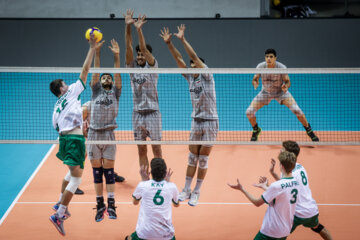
{"points": [[104, 109], [67, 120], [205, 123], [307, 212], [146, 116], [274, 86], [281, 196], [156, 196]]}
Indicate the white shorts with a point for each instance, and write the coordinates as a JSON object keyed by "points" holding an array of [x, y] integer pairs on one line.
{"points": [[204, 130], [147, 124], [266, 98], [98, 151]]}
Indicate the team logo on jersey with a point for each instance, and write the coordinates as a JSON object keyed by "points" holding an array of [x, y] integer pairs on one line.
{"points": [[139, 80], [107, 102], [196, 90]]}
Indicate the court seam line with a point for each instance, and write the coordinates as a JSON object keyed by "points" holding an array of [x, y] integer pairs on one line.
{"points": [[203, 203], [27, 184]]}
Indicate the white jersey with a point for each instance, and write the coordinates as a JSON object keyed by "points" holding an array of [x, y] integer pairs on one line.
{"points": [[282, 197], [67, 113], [155, 216], [306, 206], [271, 83]]}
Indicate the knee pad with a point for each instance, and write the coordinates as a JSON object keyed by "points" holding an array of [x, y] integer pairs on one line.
{"points": [[109, 175], [203, 161], [318, 228], [296, 110], [250, 112], [68, 176], [98, 173], [192, 159], [74, 183]]}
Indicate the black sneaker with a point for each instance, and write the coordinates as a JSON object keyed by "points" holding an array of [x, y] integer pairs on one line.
{"points": [[255, 134], [100, 210], [118, 178], [111, 210], [312, 135], [79, 191]]}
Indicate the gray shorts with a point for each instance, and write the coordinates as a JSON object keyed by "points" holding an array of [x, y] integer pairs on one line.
{"points": [[266, 98], [98, 151], [147, 124], [204, 130]]}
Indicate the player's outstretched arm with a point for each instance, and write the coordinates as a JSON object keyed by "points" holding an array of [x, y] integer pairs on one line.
{"points": [[96, 76], [129, 52], [256, 201], [272, 172], [88, 59], [166, 36], [142, 44], [189, 50], [116, 51]]}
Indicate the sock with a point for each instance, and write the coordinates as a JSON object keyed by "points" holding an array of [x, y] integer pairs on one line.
{"points": [[256, 127], [111, 195], [60, 197], [198, 185], [100, 200], [61, 211], [308, 128], [188, 181]]}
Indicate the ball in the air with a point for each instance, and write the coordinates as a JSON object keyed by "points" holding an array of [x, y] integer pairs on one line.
{"points": [[97, 34]]}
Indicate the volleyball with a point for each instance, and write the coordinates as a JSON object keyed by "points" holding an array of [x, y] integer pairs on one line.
{"points": [[97, 34]]}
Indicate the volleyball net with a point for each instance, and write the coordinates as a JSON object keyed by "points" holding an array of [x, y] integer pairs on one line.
{"points": [[329, 99]]}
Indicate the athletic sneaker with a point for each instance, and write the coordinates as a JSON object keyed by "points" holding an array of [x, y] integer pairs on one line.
{"points": [[67, 214], [312, 135], [185, 194], [194, 199], [111, 212], [255, 134], [58, 223], [118, 178], [79, 191], [100, 210]]}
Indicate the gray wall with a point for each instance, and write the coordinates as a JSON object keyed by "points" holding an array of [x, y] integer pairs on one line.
{"points": [[222, 43]]}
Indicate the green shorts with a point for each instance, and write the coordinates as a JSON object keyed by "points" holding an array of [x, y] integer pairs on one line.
{"points": [[260, 236], [72, 150], [134, 236], [306, 222]]}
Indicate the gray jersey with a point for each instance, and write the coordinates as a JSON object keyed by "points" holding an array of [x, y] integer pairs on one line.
{"points": [[271, 83], [144, 88], [104, 107], [203, 96]]}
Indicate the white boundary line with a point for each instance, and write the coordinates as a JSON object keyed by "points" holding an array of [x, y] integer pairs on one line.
{"points": [[26, 185], [201, 203]]}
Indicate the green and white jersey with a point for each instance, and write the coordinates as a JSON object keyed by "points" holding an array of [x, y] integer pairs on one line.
{"points": [[306, 206], [282, 197], [155, 215], [67, 113]]}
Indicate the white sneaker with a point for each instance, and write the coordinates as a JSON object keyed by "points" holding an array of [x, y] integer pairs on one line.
{"points": [[185, 194], [194, 199]]}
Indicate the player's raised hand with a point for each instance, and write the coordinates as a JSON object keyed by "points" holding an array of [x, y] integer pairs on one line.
{"points": [[272, 165], [263, 183], [140, 21], [284, 88], [99, 45], [237, 186], [92, 41], [181, 32], [168, 175], [165, 34], [114, 47], [129, 16], [145, 175]]}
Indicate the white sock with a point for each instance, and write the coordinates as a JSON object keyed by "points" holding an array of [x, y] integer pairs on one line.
{"points": [[198, 185], [111, 195], [61, 211], [188, 181], [60, 197]]}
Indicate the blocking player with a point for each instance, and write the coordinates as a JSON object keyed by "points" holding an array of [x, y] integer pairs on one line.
{"points": [[307, 212], [274, 86], [205, 123], [146, 115], [156, 196], [281, 196], [104, 109], [67, 120]]}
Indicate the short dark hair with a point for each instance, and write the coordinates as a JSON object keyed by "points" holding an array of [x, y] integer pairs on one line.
{"points": [[158, 169], [191, 61], [287, 160], [147, 46], [107, 74], [55, 87], [270, 50], [291, 146]]}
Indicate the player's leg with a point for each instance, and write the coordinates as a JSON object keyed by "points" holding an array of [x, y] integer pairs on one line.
{"points": [[140, 134], [154, 128], [289, 101], [98, 171], [257, 103], [109, 165]]}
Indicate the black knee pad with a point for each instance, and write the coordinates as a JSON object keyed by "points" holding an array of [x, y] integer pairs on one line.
{"points": [[109, 175], [318, 229], [98, 172]]}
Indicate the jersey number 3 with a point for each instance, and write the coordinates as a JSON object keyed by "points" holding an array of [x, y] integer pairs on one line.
{"points": [[158, 199]]}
